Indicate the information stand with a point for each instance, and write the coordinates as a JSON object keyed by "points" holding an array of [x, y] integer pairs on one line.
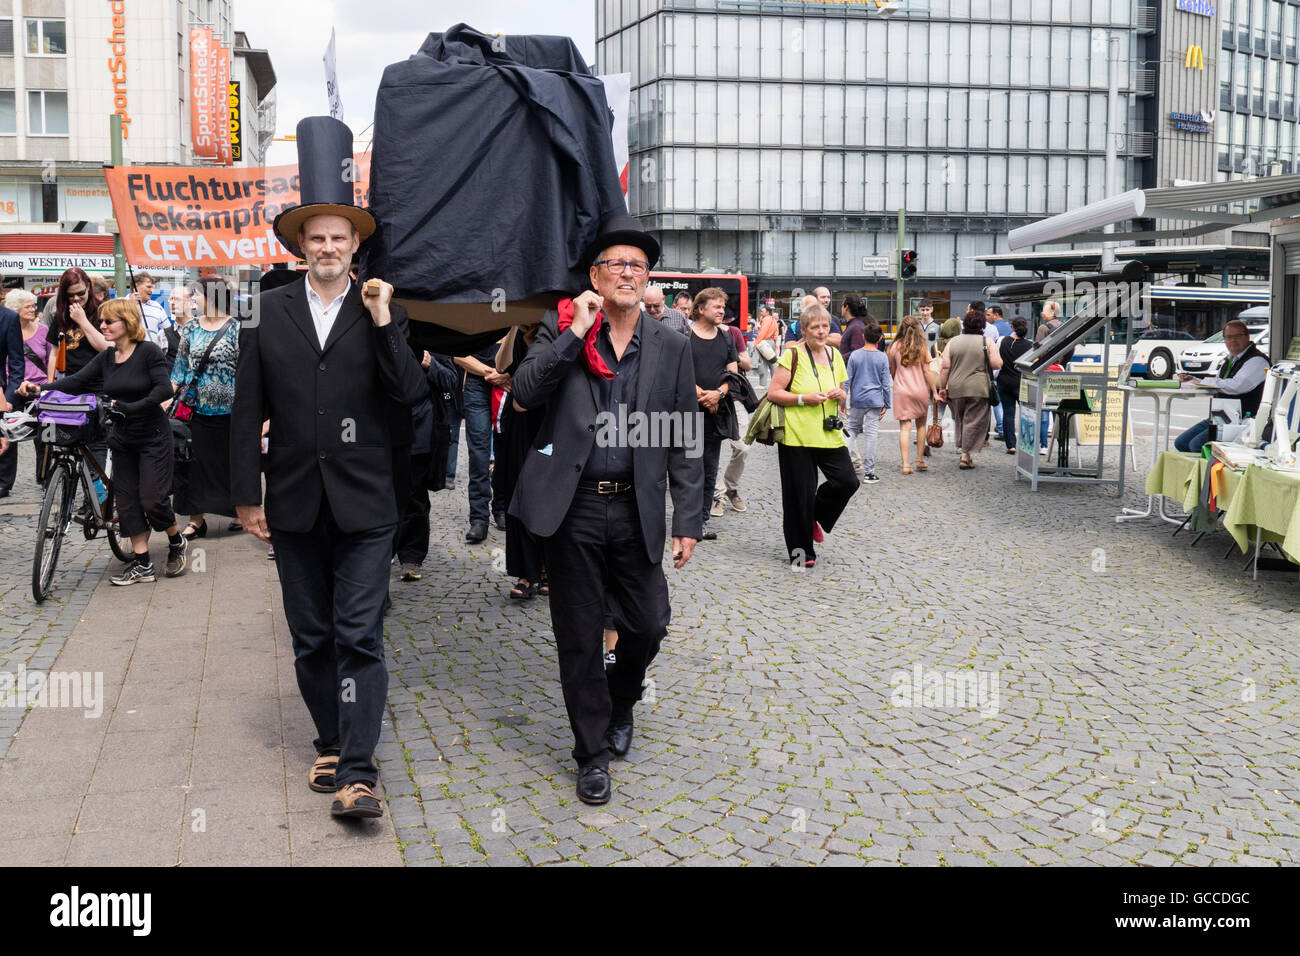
{"points": [[1111, 296]]}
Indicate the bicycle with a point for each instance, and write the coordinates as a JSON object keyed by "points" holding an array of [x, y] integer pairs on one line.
{"points": [[69, 461]]}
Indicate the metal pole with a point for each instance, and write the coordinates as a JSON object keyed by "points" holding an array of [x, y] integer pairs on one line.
{"points": [[119, 254], [898, 291], [1112, 142]]}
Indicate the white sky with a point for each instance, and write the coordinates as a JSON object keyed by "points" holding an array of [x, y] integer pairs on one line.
{"points": [[370, 34]]}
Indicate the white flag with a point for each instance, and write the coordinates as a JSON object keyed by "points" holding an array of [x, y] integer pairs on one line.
{"points": [[332, 80], [618, 92]]}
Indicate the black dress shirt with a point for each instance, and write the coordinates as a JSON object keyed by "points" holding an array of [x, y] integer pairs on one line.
{"points": [[611, 460]]}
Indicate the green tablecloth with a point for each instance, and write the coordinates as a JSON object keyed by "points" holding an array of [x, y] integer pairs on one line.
{"points": [[1178, 475], [1270, 501]]}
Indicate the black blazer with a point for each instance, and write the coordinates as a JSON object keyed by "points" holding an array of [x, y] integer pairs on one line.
{"points": [[665, 383], [329, 410], [12, 365]]}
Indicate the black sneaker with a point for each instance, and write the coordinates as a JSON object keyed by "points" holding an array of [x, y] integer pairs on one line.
{"points": [[176, 558], [136, 573], [610, 660], [871, 477]]}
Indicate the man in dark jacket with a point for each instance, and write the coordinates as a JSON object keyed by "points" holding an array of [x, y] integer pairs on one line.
{"points": [[11, 368], [325, 364], [596, 498]]}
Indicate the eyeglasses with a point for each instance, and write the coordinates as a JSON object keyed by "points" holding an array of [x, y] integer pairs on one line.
{"points": [[108, 321], [616, 267]]}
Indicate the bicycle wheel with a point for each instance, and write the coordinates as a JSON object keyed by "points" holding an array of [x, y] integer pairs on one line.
{"points": [[56, 511], [123, 554]]}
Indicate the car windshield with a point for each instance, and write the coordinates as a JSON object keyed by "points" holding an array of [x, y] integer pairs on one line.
{"points": [[1215, 339]]}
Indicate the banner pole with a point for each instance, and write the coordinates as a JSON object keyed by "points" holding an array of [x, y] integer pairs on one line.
{"points": [[119, 255]]}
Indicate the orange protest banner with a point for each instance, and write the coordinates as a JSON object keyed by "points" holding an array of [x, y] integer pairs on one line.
{"points": [[210, 216]]}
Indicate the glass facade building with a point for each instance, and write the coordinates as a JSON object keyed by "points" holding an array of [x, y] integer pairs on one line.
{"points": [[780, 139], [1256, 124]]}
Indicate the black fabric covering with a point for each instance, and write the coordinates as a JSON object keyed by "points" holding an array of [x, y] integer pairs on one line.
{"points": [[491, 170]]}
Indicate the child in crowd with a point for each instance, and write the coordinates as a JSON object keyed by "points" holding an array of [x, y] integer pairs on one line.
{"points": [[869, 399]]}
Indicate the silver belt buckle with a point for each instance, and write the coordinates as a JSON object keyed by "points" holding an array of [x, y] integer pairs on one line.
{"points": [[606, 487]]}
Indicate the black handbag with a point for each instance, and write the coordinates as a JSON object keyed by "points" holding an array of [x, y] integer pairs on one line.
{"points": [[994, 397]]}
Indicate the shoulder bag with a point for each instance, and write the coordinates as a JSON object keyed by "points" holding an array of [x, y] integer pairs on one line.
{"points": [[188, 397], [767, 424], [994, 397]]}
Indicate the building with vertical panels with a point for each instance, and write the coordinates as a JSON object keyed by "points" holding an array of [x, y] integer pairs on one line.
{"points": [[780, 139]]}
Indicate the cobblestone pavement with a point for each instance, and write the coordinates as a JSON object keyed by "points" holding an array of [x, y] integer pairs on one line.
{"points": [[1134, 700], [32, 635], [1139, 702]]}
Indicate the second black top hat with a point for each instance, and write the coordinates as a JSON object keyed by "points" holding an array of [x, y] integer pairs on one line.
{"points": [[325, 179]]}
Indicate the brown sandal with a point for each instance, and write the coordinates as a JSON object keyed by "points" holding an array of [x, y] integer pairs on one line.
{"points": [[357, 800], [321, 776]]}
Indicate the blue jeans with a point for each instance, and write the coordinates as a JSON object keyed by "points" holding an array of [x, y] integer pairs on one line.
{"points": [[478, 442], [1194, 438], [454, 426], [1043, 427]]}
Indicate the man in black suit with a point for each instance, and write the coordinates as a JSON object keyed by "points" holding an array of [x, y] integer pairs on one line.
{"points": [[12, 368], [593, 486], [325, 362]]}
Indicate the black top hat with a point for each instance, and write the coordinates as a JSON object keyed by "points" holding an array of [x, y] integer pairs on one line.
{"points": [[324, 158], [623, 230]]}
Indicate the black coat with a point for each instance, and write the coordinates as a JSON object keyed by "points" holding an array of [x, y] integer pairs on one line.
{"points": [[553, 465], [12, 364], [329, 409]]}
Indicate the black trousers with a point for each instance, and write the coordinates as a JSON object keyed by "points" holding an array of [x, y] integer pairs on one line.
{"points": [[712, 452], [1009, 401], [142, 484], [598, 549], [803, 502], [334, 584], [8, 469], [413, 526]]}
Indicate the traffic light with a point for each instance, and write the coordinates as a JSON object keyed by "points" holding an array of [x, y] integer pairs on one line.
{"points": [[907, 263]]}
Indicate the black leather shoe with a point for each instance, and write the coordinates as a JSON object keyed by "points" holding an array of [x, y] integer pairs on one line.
{"points": [[619, 737], [477, 532], [593, 784], [500, 519], [709, 535]]}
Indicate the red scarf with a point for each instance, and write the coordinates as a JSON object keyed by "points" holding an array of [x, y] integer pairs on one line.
{"points": [[595, 364]]}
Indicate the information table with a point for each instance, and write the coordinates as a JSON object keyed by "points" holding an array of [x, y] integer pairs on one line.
{"points": [[1260, 504], [1163, 399]]}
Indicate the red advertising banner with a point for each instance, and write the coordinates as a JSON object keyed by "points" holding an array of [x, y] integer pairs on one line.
{"points": [[203, 128], [221, 96], [208, 216]]}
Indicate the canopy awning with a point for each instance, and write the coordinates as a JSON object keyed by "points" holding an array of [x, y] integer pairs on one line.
{"points": [[1206, 208], [1158, 259]]}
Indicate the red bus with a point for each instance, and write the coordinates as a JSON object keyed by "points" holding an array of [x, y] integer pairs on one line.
{"points": [[736, 286]]}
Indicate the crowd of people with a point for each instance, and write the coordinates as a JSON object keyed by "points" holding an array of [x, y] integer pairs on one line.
{"points": [[572, 509]]}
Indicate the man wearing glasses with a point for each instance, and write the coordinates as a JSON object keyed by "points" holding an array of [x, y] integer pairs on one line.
{"points": [[1243, 377], [594, 491]]}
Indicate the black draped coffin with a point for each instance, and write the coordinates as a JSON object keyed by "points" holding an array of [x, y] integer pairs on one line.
{"points": [[491, 170]]}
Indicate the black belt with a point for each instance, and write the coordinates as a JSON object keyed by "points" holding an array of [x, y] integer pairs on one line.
{"points": [[606, 487]]}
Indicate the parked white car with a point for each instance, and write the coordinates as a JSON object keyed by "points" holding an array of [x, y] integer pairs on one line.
{"points": [[1157, 350], [1207, 357]]}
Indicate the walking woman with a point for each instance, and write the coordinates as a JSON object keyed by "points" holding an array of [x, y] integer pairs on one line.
{"points": [[133, 373], [909, 367], [1011, 348], [37, 367], [204, 378], [814, 400], [769, 331], [964, 384]]}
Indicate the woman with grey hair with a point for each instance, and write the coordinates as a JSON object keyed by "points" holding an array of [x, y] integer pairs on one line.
{"points": [[36, 348]]}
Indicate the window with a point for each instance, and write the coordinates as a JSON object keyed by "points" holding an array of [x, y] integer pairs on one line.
{"points": [[47, 38], [8, 114], [47, 113], [6, 37]]}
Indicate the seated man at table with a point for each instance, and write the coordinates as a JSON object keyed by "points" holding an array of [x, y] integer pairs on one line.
{"points": [[1243, 377]]}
